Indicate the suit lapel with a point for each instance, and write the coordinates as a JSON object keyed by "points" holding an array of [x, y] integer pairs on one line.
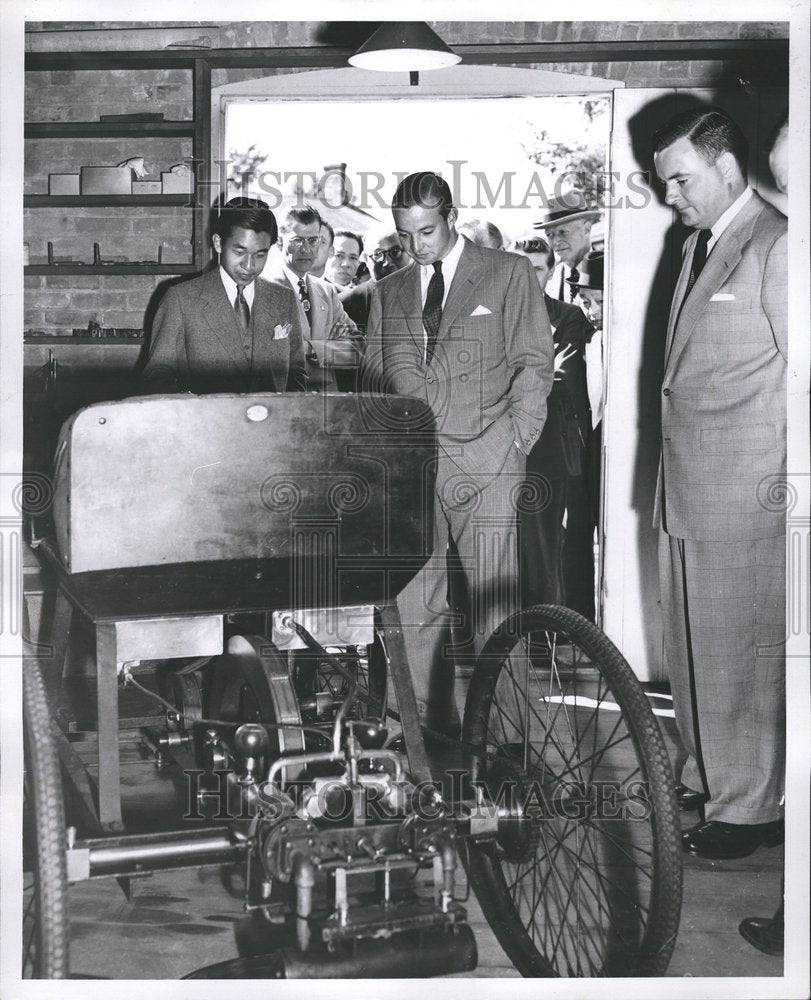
{"points": [[721, 262], [221, 320], [410, 296], [469, 272]]}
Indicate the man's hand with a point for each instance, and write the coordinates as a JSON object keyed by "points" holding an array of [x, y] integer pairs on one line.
{"points": [[561, 358]]}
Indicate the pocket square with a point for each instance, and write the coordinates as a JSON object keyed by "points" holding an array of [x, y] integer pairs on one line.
{"points": [[282, 331], [723, 297], [481, 311]]}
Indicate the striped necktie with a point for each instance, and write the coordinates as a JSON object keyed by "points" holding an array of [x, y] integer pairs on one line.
{"points": [[432, 310], [242, 309]]}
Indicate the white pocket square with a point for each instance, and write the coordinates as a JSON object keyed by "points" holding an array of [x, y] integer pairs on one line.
{"points": [[723, 297], [481, 311], [281, 331]]}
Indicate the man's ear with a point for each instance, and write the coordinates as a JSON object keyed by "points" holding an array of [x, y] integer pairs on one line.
{"points": [[453, 215], [216, 242], [728, 166]]}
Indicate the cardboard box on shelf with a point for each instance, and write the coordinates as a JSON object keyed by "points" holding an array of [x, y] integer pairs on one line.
{"points": [[63, 183], [106, 180], [147, 187], [177, 183]]}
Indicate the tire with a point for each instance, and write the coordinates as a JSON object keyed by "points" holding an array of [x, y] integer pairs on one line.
{"points": [[45, 923], [585, 877]]}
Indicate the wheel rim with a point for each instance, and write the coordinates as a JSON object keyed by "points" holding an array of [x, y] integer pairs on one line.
{"points": [[588, 901]]}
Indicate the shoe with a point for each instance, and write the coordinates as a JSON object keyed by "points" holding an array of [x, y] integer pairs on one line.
{"points": [[765, 933], [688, 800], [720, 841]]}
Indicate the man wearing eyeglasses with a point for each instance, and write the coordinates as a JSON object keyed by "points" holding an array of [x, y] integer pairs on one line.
{"points": [[383, 255], [323, 316]]}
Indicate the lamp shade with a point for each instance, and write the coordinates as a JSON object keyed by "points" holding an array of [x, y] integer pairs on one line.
{"points": [[404, 46]]}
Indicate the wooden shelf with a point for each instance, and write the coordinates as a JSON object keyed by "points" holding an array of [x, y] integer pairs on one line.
{"points": [[110, 200], [48, 269], [108, 130]]}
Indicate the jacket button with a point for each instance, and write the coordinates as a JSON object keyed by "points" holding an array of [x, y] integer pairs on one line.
{"points": [[429, 381], [665, 392]]}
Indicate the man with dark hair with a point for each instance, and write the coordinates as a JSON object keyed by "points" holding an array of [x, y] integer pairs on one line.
{"points": [[557, 565], [345, 260], [225, 331], [722, 543], [465, 329], [322, 316], [324, 250], [384, 255]]}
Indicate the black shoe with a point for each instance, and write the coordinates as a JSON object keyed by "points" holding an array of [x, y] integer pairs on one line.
{"points": [[720, 841], [688, 800], [765, 933]]}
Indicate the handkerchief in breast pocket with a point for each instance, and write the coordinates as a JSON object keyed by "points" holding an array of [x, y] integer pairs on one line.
{"points": [[282, 331], [723, 297], [481, 311]]}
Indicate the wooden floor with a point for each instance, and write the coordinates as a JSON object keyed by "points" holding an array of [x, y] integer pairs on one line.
{"points": [[180, 922]]}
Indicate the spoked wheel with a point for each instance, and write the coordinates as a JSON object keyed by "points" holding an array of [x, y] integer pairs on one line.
{"points": [[45, 896], [584, 879]]}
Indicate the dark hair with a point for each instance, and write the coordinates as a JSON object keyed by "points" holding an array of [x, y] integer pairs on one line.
{"points": [[352, 236], [329, 229], [782, 122], [304, 215], [710, 130], [426, 189], [536, 245], [245, 213]]}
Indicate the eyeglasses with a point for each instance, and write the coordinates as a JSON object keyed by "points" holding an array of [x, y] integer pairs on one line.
{"points": [[299, 242], [395, 253]]}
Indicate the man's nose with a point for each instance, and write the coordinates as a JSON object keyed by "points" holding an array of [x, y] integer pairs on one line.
{"points": [[671, 195]]}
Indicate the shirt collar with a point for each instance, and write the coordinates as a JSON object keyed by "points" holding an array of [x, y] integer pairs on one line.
{"points": [[231, 288], [728, 216], [294, 278], [449, 261]]}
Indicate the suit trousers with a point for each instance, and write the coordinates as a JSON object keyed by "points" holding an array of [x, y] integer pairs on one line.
{"points": [[478, 513], [723, 605]]}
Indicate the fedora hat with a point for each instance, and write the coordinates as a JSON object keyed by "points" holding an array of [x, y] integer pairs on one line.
{"points": [[590, 270], [569, 206]]}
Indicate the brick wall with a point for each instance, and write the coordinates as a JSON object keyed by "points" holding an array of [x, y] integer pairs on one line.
{"points": [[56, 304]]}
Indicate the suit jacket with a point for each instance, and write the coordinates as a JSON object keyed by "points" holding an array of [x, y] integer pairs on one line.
{"points": [[325, 311], [724, 387], [492, 368], [357, 302], [197, 342]]}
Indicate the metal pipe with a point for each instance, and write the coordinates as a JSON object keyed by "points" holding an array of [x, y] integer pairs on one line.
{"points": [[304, 877], [135, 855]]}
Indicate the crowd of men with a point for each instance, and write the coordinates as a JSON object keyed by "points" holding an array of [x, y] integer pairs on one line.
{"points": [[506, 347]]}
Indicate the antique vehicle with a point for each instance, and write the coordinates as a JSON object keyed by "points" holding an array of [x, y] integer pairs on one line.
{"points": [[234, 563]]}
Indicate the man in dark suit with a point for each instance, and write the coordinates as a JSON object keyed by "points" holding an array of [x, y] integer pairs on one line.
{"points": [[465, 329], [226, 331], [557, 565], [722, 541], [383, 255]]}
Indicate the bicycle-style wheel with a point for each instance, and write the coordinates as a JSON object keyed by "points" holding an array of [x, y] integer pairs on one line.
{"points": [[45, 896], [585, 879]]}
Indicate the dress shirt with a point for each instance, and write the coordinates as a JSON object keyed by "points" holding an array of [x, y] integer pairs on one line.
{"points": [[231, 289], [449, 264], [294, 279], [727, 217]]}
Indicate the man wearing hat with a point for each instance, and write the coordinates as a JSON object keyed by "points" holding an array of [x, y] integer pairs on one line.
{"points": [[587, 287], [568, 223]]}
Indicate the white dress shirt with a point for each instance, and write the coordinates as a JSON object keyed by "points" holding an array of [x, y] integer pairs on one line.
{"points": [[594, 376], [230, 287]]}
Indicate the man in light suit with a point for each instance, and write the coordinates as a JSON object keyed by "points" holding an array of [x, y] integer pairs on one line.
{"points": [[322, 315], [225, 331], [722, 542], [465, 329]]}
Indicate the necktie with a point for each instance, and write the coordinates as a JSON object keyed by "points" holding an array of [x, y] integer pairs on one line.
{"points": [[242, 309], [432, 310], [575, 277], [304, 298], [699, 258]]}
